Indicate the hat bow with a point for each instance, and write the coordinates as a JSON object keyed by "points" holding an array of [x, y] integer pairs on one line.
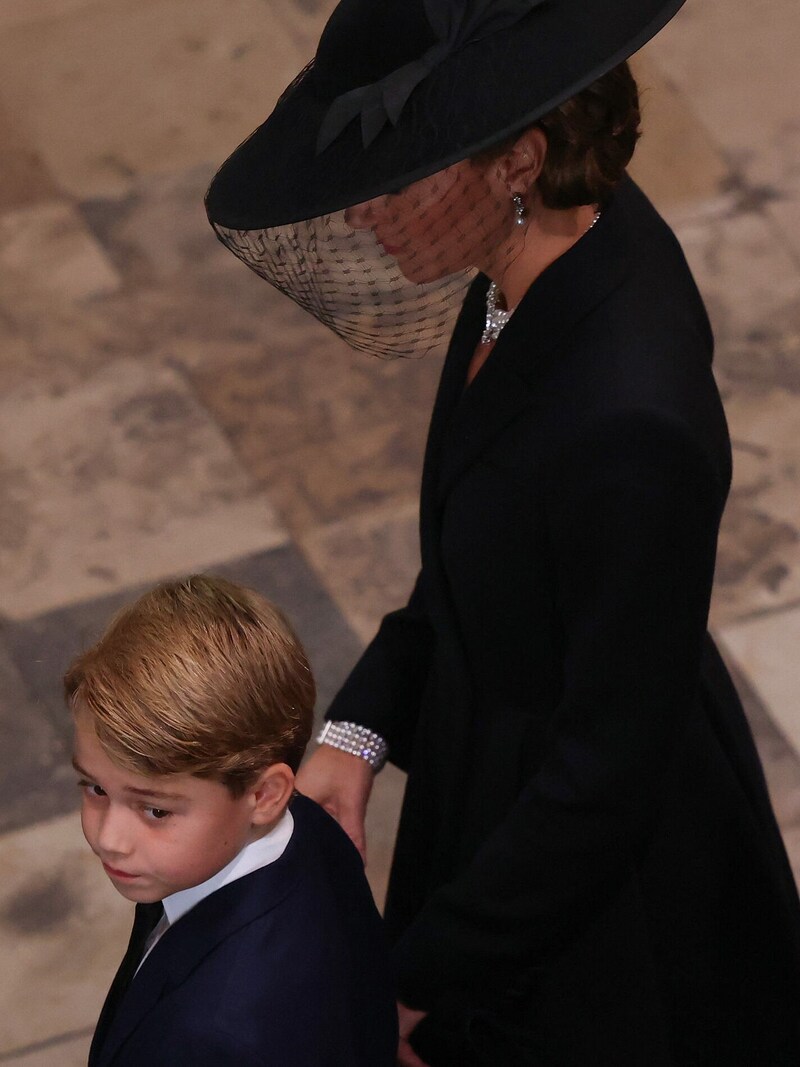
{"points": [[455, 23]]}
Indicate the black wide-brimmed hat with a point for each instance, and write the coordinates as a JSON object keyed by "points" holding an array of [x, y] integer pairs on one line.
{"points": [[400, 89]]}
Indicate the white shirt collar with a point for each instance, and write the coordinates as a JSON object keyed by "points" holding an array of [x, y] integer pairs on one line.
{"points": [[253, 857]]}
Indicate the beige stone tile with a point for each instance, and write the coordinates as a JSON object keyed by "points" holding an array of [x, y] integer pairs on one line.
{"points": [[121, 480], [322, 483], [65, 1052], [383, 815], [304, 385], [784, 213], [676, 161], [47, 257], [159, 233], [113, 89], [765, 648], [738, 64], [759, 556], [325, 430], [19, 12], [25, 178], [780, 762], [368, 563], [63, 931], [16, 358], [746, 277]]}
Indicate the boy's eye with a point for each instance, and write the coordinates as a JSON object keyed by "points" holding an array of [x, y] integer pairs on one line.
{"points": [[91, 788], [156, 813]]}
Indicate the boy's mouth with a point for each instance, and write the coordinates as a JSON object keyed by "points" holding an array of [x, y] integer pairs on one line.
{"points": [[112, 872]]}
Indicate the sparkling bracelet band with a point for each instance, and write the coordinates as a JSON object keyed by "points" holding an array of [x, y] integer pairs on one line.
{"points": [[357, 740]]}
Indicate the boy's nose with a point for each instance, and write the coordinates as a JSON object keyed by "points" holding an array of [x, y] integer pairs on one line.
{"points": [[113, 836]]}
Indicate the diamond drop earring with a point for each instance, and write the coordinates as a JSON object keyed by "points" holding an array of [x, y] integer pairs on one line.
{"points": [[519, 209]]}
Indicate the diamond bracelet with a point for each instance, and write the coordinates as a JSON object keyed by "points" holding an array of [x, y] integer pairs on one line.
{"points": [[357, 741]]}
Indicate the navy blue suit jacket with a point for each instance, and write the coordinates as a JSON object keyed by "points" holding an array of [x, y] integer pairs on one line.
{"points": [[286, 967]]}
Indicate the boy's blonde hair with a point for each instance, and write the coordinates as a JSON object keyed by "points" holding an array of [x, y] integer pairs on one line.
{"points": [[198, 676]]}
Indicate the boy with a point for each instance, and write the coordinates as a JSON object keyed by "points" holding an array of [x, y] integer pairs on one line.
{"points": [[256, 940]]}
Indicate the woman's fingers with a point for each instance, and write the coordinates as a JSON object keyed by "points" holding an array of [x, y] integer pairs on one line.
{"points": [[407, 1057], [408, 1019], [341, 784]]}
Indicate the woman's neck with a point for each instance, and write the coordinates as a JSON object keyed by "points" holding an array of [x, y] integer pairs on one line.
{"points": [[530, 249]]}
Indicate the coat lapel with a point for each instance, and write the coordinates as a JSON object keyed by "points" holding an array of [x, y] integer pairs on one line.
{"points": [[186, 944], [466, 422]]}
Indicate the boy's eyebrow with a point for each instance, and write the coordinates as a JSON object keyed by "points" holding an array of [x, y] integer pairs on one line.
{"points": [[161, 794]]}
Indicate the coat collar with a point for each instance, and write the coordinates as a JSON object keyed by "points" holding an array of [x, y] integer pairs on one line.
{"points": [[214, 919], [466, 421]]}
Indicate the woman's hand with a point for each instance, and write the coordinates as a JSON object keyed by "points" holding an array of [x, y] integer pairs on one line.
{"points": [[408, 1019], [341, 784]]}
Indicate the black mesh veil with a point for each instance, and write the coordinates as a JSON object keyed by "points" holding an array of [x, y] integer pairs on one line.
{"points": [[344, 278]]}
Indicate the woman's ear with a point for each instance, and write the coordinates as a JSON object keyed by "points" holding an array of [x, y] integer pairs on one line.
{"points": [[522, 163], [270, 794]]}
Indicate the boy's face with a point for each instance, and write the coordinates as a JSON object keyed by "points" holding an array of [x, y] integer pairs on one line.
{"points": [[156, 835]]}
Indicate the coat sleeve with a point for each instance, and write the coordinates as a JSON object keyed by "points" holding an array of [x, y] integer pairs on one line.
{"points": [[384, 690], [633, 512]]}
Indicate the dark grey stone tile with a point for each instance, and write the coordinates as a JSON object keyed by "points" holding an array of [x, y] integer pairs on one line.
{"points": [[35, 783]]}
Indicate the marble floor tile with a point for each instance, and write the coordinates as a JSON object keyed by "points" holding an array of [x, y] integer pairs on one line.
{"points": [[35, 779], [26, 180], [737, 62], [70, 1050], [780, 761], [17, 358], [765, 649], [368, 563], [319, 484], [111, 90], [745, 276], [323, 429], [52, 236], [118, 481], [63, 929], [758, 567], [383, 816], [18, 12], [159, 230], [305, 386], [785, 216], [680, 183]]}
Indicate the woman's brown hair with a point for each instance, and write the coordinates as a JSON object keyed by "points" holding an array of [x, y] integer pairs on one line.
{"points": [[590, 141]]}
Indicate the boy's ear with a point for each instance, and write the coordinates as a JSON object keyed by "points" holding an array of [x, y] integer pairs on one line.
{"points": [[271, 793]]}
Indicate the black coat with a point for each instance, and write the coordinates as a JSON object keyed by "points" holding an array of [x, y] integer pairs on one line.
{"points": [[587, 857]]}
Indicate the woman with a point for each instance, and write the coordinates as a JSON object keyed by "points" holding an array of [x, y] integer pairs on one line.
{"points": [[587, 869]]}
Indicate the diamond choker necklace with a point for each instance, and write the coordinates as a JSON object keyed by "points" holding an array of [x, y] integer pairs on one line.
{"points": [[496, 317]]}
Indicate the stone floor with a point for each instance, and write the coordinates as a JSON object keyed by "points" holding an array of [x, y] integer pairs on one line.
{"points": [[162, 410]]}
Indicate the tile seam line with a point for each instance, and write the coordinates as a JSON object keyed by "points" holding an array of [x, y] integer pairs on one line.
{"points": [[8, 1055], [723, 153]]}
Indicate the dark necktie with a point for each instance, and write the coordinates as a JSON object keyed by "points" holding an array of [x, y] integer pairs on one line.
{"points": [[145, 921]]}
